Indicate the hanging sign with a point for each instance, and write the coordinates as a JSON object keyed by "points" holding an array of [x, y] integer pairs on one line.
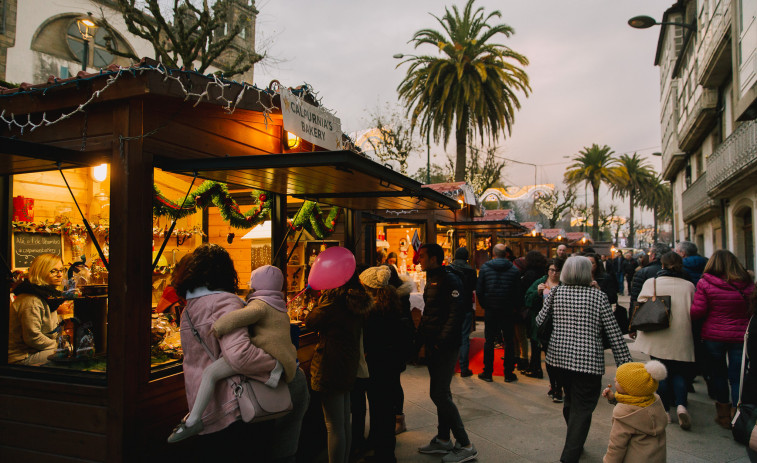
{"points": [[310, 123]]}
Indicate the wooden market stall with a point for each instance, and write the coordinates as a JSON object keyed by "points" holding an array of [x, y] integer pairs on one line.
{"points": [[172, 130]]}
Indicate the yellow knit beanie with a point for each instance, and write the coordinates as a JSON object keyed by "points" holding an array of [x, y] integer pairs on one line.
{"points": [[639, 379]]}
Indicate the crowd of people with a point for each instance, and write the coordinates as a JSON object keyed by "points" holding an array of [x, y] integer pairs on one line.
{"points": [[564, 307]]}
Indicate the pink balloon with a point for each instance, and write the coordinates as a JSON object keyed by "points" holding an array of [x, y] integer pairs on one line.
{"points": [[332, 268]]}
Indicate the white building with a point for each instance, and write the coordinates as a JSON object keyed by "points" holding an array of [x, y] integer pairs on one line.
{"points": [[708, 81], [40, 38]]}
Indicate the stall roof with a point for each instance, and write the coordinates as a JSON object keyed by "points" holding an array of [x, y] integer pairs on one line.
{"points": [[20, 156], [339, 178], [509, 227]]}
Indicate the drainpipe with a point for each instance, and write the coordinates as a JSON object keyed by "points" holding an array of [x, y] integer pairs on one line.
{"points": [[723, 230]]}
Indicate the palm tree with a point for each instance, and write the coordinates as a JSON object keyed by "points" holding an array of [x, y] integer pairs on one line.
{"points": [[592, 165], [471, 87], [633, 177], [658, 196]]}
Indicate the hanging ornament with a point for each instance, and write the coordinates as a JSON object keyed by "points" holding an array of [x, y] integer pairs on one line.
{"points": [[230, 238]]}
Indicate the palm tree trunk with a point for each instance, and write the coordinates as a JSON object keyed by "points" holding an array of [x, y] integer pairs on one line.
{"points": [[654, 211], [461, 138], [630, 223], [595, 215]]}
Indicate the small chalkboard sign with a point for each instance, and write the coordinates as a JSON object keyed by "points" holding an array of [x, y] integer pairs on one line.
{"points": [[27, 246]]}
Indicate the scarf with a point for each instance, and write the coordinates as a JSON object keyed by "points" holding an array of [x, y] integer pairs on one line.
{"points": [[639, 401], [273, 298], [47, 293]]}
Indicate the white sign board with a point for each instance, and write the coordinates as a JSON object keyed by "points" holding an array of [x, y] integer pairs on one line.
{"points": [[310, 123]]}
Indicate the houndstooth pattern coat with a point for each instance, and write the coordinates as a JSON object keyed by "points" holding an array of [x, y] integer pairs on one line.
{"points": [[580, 315]]}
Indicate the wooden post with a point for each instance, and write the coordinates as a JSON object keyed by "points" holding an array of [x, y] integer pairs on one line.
{"points": [[279, 227], [129, 279], [6, 213]]}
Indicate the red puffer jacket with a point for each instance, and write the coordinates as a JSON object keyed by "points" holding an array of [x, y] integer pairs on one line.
{"points": [[723, 306]]}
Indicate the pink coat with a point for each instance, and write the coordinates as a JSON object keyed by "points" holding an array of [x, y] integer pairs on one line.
{"points": [[723, 308], [235, 347]]}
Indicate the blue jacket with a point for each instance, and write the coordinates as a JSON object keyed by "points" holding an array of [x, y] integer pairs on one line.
{"points": [[497, 285], [694, 266]]}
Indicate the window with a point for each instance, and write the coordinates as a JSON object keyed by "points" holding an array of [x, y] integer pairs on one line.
{"points": [[51, 246]]}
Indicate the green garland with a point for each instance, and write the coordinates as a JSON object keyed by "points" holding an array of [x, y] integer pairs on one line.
{"points": [[217, 194], [309, 217]]}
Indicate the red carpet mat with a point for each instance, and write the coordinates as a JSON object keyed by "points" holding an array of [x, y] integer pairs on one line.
{"points": [[476, 358]]}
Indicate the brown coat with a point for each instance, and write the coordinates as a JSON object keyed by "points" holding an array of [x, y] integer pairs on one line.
{"points": [[637, 434], [338, 318]]}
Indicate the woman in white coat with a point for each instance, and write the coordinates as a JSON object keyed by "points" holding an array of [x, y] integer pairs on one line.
{"points": [[673, 346]]}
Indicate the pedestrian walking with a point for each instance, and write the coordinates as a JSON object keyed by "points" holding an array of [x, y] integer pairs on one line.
{"points": [[674, 346], [581, 317], [497, 290], [468, 277], [648, 270], [693, 263], [439, 330], [722, 300]]}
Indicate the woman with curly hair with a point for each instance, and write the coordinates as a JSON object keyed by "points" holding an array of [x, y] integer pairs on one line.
{"points": [[209, 284]]}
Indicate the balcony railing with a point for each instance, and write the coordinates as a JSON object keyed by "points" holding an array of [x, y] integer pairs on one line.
{"points": [[696, 203], [714, 62], [735, 160], [695, 122]]}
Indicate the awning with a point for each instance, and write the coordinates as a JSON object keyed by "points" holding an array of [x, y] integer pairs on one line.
{"points": [[508, 227], [20, 157], [339, 178]]}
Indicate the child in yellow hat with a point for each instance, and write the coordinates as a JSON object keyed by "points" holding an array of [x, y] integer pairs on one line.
{"points": [[639, 419]]}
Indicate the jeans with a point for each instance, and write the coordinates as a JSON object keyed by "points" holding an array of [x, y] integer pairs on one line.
{"points": [[496, 322], [358, 412], [287, 428], [722, 371], [336, 413], [381, 398], [465, 346], [619, 277], [582, 392], [674, 390], [441, 368]]}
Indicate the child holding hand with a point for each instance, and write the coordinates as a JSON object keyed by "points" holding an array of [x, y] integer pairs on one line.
{"points": [[639, 419]]}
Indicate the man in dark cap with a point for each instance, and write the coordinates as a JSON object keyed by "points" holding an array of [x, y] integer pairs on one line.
{"points": [[468, 277]]}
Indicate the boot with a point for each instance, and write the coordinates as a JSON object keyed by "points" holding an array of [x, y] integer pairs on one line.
{"points": [[723, 415], [399, 424]]}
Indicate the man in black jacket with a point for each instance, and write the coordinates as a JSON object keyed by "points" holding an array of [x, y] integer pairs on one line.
{"points": [[649, 271], [497, 291], [468, 276], [440, 329]]}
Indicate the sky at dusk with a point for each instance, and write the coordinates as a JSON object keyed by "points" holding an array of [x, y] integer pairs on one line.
{"points": [[593, 77]]}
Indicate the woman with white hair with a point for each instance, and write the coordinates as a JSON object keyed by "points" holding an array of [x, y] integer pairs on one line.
{"points": [[580, 316]]}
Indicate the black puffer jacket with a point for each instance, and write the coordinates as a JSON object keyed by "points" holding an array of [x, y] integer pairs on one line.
{"points": [[650, 271], [442, 320], [468, 277], [338, 318], [497, 286]]}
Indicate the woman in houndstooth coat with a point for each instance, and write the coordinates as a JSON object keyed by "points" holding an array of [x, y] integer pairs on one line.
{"points": [[581, 316]]}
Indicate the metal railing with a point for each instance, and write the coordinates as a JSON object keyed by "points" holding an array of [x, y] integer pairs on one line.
{"points": [[733, 157], [695, 201]]}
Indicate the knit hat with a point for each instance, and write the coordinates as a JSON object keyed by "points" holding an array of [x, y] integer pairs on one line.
{"points": [[461, 253], [639, 379], [375, 277], [267, 283]]}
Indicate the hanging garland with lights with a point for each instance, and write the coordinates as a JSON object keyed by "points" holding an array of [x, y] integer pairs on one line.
{"points": [[310, 216]]}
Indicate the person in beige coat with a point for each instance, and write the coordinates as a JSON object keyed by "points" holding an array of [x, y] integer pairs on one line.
{"points": [[673, 346], [638, 420]]}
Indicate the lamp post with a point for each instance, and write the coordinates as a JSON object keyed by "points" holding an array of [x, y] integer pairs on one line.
{"points": [[87, 28], [645, 22], [428, 129]]}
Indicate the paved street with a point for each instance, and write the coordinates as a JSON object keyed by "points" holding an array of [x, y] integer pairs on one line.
{"points": [[518, 422]]}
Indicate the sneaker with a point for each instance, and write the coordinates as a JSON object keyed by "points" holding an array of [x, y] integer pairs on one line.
{"points": [[684, 420], [182, 431], [466, 373], [437, 446], [510, 377], [485, 377], [551, 392], [459, 454], [557, 398]]}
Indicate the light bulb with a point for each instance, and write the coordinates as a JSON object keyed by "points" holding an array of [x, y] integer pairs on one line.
{"points": [[100, 172]]}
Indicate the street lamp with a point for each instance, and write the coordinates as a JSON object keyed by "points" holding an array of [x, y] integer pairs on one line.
{"points": [[645, 22], [428, 129], [87, 29]]}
